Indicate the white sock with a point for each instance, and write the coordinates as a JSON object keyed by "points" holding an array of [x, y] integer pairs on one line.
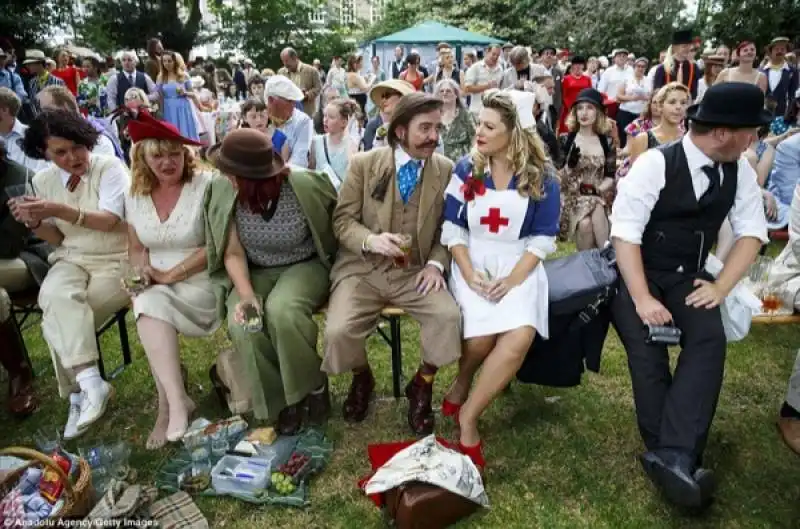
{"points": [[89, 379]]}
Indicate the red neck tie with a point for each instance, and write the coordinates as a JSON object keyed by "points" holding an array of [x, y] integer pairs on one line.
{"points": [[73, 182]]}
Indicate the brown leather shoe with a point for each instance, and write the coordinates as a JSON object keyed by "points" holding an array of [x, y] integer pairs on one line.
{"points": [[22, 399], [290, 419], [356, 405], [790, 432], [319, 407], [420, 411]]}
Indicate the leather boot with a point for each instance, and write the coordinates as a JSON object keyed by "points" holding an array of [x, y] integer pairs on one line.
{"points": [[22, 400], [420, 411]]}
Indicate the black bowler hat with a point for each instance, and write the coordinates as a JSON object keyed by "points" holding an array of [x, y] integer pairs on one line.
{"points": [[578, 59], [590, 95], [548, 47], [683, 36], [731, 105]]}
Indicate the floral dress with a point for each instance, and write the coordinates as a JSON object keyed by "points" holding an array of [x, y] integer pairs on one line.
{"points": [[591, 169], [92, 97]]}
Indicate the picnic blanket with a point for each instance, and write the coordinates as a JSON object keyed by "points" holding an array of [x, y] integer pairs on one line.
{"points": [[125, 503], [311, 442]]}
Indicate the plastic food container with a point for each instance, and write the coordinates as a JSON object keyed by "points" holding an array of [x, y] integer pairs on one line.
{"points": [[279, 451], [241, 475]]}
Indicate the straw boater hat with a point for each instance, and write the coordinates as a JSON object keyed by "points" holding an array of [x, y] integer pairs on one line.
{"points": [[146, 127], [778, 40], [731, 105], [246, 153], [718, 60], [32, 56], [392, 85]]}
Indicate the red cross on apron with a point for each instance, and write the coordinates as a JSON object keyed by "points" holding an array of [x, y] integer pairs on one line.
{"points": [[494, 220]]}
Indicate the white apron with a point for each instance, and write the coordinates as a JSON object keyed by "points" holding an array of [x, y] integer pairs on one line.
{"points": [[495, 220]]}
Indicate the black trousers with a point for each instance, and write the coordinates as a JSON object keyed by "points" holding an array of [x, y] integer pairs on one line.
{"points": [[673, 410], [624, 118]]}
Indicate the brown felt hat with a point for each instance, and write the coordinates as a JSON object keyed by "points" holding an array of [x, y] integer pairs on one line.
{"points": [[246, 153]]}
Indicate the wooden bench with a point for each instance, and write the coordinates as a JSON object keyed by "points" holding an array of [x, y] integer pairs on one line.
{"points": [[783, 318], [394, 340], [24, 305]]}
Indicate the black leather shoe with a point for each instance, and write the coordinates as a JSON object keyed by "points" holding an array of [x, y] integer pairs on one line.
{"points": [[672, 472]]}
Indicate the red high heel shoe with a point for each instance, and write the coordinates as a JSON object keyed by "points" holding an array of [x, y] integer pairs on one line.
{"points": [[451, 409], [475, 453]]}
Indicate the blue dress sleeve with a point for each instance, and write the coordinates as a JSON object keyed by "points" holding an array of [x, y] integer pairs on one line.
{"points": [[455, 210], [278, 139], [542, 217]]}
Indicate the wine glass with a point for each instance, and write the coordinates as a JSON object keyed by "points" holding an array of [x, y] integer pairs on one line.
{"points": [[18, 191], [134, 278], [252, 319], [491, 267]]}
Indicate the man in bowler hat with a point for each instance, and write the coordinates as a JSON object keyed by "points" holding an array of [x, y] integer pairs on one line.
{"points": [[665, 220]]}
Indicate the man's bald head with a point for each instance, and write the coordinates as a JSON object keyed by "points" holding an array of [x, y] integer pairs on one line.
{"points": [[290, 59]]}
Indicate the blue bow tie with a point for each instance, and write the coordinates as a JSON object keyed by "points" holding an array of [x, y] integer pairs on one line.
{"points": [[407, 179]]}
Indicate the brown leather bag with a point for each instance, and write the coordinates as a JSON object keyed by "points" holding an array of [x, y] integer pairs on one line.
{"points": [[417, 505]]}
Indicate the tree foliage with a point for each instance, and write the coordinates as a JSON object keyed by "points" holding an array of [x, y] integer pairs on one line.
{"points": [[585, 26], [598, 26], [113, 24], [732, 21], [28, 23], [261, 28]]}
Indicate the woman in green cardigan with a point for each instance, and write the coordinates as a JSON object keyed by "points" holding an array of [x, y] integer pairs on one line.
{"points": [[270, 247]]}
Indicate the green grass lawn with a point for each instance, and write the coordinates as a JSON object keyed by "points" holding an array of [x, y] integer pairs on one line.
{"points": [[567, 462]]}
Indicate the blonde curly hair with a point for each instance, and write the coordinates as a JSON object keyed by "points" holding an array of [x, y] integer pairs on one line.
{"points": [[664, 92], [143, 180], [526, 152]]}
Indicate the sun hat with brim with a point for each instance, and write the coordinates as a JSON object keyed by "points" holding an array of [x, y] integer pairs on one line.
{"points": [[283, 87], [246, 153], [731, 105], [392, 85], [778, 40], [718, 60], [146, 127], [32, 56]]}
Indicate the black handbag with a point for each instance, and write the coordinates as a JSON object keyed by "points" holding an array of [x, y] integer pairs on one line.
{"points": [[580, 273], [577, 331]]}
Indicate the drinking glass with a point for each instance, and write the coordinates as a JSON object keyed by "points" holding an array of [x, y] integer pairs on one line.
{"points": [[491, 267], [219, 442], [759, 271], [252, 318], [47, 440], [134, 278], [200, 453], [20, 190], [404, 261]]}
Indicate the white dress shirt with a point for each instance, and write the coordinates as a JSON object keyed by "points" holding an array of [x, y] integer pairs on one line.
{"points": [[15, 152], [299, 130], [111, 88], [638, 193], [112, 188], [613, 79], [401, 158]]}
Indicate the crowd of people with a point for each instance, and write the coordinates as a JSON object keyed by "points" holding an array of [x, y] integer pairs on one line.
{"points": [[364, 190]]}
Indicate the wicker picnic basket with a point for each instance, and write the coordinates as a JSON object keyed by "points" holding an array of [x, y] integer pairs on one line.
{"points": [[78, 497]]}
